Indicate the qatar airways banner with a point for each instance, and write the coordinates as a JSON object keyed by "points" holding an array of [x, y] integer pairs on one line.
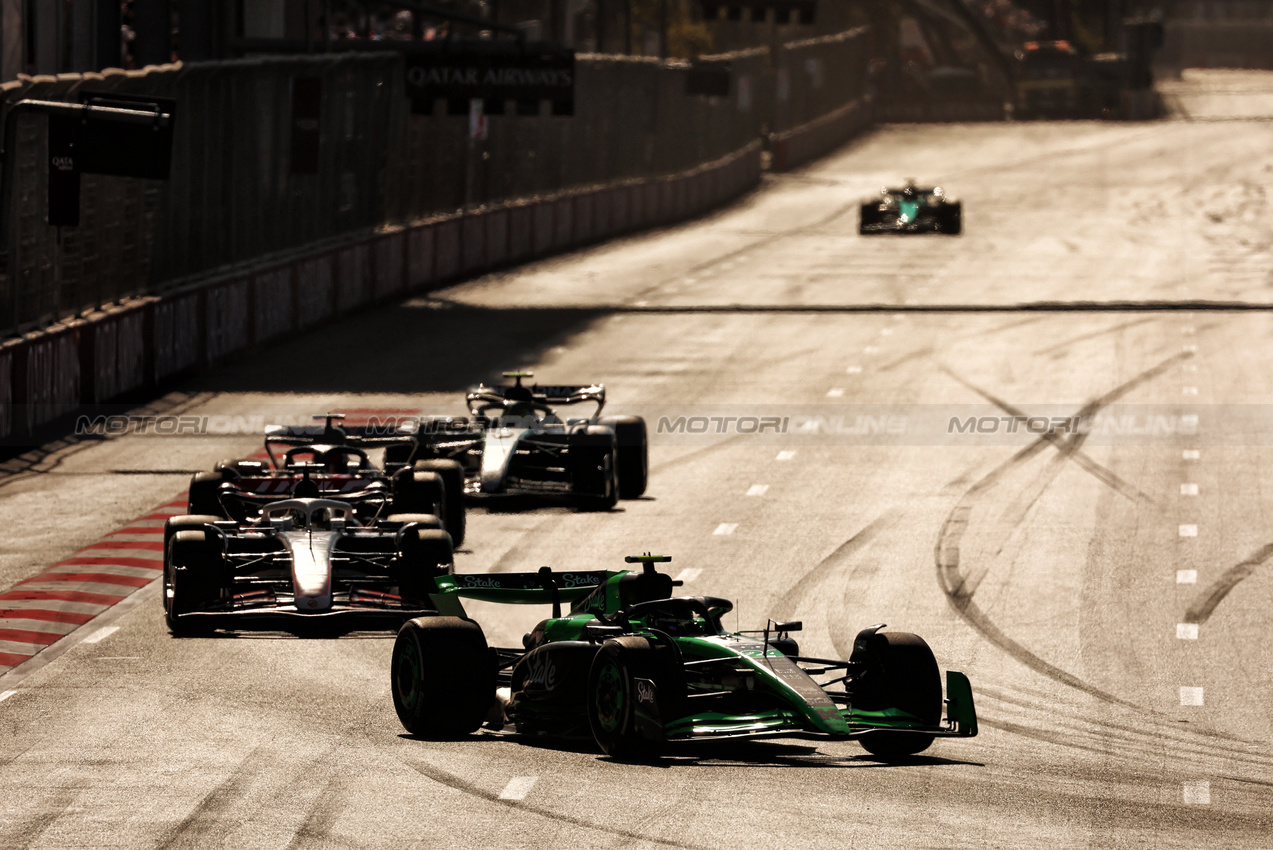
{"points": [[523, 76]]}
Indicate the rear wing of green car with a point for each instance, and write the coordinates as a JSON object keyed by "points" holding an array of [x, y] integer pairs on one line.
{"points": [[544, 587]]}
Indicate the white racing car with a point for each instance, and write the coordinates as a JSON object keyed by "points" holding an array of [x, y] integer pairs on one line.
{"points": [[514, 442], [300, 562]]}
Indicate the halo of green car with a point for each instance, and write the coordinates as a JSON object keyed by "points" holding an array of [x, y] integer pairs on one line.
{"points": [[623, 662]]}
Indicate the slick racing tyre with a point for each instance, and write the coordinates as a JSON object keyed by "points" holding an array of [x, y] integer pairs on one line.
{"points": [[633, 454], [194, 577], [184, 522], [594, 474], [952, 218], [418, 493], [869, 216], [422, 520], [426, 553], [452, 475], [903, 674], [204, 499], [443, 677], [626, 719]]}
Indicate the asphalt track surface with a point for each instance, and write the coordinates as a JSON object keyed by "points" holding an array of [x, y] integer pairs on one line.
{"points": [[1107, 592]]}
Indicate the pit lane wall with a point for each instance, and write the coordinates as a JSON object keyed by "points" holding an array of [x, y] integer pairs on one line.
{"points": [[183, 319]]}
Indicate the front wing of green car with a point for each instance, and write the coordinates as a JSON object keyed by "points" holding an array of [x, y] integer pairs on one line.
{"points": [[960, 720]]}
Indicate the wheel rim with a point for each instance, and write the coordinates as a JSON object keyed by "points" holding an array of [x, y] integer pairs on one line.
{"points": [[406, 675], [608, 697]]}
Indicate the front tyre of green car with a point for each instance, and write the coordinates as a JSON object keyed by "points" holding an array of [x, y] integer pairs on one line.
{"points": [[906, 677], [442, 677]]}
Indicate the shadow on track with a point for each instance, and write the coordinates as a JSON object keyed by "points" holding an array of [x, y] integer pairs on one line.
{"points": [[725, 753], [416, 346]]}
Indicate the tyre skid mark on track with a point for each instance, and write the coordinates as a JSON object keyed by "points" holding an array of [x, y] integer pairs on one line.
{"points": [[1205, 604], [28, 830], [1070, 447], [1064, 344], [452, 781], [1067, 728], [217, 810], [791, 602], [316, 829], [951, 575]]}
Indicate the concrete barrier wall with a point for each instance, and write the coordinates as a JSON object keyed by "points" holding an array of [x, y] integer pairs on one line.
{"points": [[1218, 43], [50, 378], [817, 138]]}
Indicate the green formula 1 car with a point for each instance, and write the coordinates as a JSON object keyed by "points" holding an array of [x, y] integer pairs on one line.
{"points": [[636, 669]]}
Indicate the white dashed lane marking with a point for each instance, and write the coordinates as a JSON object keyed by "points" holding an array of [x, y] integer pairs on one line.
{"points": [[518, 787], [1190, 349], [1188, 530], [757, 489], [853, 370], [4, 696], [726, 528], [688, 574], [1189, 390], [871, 349], [1191, 696], [886, 331], [1188, 489], [1187, 631], [835, 392], [1196, 793], [786, 455], [1187, 330], [1191, 454], [1186, 576], [101, 634]]}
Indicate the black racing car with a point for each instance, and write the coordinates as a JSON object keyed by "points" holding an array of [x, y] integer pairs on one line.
{"points": [[332, 461], [514, 442], [911, 209]]}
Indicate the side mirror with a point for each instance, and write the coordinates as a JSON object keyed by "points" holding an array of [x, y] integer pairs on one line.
{"points": [[792, 626]]}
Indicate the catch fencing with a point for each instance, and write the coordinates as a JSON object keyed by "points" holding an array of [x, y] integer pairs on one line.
{"points": [[237, 250]]}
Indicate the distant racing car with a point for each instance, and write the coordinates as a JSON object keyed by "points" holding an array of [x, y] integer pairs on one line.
{"points": [[514, 442], [911, 209], [332, 461], [636, 669], [299, 562]]}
